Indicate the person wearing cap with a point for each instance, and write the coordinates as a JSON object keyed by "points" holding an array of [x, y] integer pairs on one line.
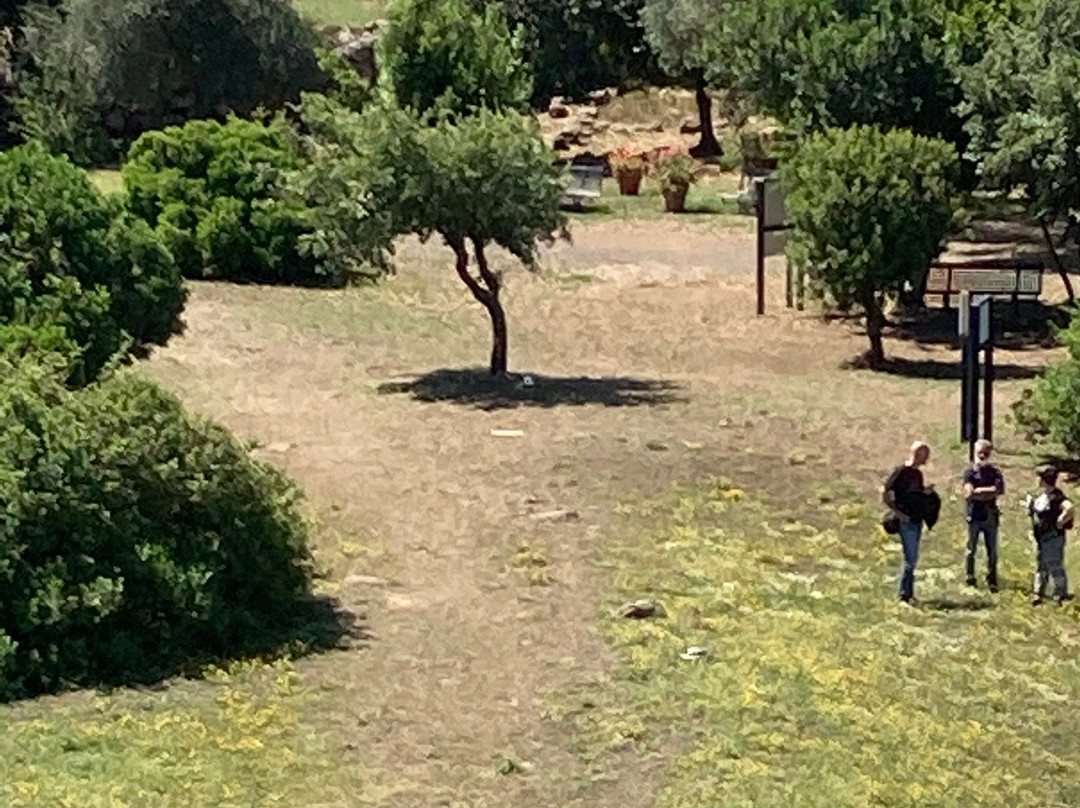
{"points": [[1051, 515], [905, 492], [983, 484]]}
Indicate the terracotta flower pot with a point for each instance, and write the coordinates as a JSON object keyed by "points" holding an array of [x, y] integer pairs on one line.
{"points": [[629, 180], [675, 197]]}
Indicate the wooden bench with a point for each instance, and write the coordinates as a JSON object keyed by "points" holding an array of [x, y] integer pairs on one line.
{"points": [[585, 185]]}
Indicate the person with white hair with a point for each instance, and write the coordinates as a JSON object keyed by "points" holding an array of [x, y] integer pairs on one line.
{"points": [[983, 484], [905, 494]]}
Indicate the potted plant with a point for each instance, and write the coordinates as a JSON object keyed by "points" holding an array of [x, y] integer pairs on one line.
{"points": [[675, 171], [628, 168]]}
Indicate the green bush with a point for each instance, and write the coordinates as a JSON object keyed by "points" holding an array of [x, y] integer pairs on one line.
{"points": [[870, 211], [75, 270], [445, 55], [133, 538], [100, 72], [1050, 408], [214, 193]]}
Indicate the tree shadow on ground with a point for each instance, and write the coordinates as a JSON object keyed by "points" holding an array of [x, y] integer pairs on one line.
{"points": [[1026, 325], [477, 387], [935, 369]]}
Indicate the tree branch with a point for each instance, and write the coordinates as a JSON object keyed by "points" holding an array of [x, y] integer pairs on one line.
{"points": [[462, 266], [490, 278], [1057, 259]]}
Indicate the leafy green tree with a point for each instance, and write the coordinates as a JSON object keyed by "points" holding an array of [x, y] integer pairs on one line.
{"points": [[823, 63], [678, 32], [1023, 98], [353, 182], [101, 72], [74, 264], [486, 179], [870, 211], [442, 55], [576, 46], [1051, 407]]}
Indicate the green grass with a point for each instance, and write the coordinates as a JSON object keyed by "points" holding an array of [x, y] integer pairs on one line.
{"points": [[819, 689], [237, 739], [108, 181], [342, 12], [705, 204]]}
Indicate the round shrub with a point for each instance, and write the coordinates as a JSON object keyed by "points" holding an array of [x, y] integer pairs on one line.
{"points": [[215, 195], [1050, 408], [869, 211], [71, 260], [134, 538]]}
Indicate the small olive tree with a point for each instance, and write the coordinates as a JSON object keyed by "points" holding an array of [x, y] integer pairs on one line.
{"points": [[485, 179], [870, 211]]}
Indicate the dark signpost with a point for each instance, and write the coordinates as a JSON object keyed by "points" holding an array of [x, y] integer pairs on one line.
{"points": [[976, 330]]}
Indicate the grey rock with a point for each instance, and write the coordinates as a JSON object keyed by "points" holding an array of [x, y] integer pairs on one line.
{"points": [[641, 610]]}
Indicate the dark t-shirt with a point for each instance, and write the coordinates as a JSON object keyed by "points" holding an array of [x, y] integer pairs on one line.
{"points": [[982, 477], [906, 482]]}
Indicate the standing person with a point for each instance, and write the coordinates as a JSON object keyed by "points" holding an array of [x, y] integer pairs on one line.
{"points": [[1051, 515], [983, 484], [905, 493]]}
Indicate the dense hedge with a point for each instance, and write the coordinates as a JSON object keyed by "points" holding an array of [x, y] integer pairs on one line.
{"points": [[1051, 407], [133, 537], [215, 195], [76, 271]]}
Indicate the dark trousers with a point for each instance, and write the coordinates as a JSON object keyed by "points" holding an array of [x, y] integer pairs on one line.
{"points": [[988, 529]]}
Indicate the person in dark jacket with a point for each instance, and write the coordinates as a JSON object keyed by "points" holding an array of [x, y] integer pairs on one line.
{"points": [[907, 494], [983, 484], [1051, 515]]}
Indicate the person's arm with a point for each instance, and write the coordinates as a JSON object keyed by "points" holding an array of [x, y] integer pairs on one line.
{"points": [[1066, 514], [888, 494]]}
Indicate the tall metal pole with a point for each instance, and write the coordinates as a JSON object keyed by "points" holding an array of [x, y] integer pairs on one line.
{"points": [[760, 203], [963, 330], [988, 375]]}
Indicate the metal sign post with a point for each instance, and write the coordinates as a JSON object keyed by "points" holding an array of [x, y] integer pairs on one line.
{"points": [[771, 238], [975, 328]]}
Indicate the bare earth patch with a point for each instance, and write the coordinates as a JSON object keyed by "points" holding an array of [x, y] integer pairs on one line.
{"points": [[472, 555]]}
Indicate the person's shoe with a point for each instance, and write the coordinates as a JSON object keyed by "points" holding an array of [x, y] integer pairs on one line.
{"points": [[970, 582], [1037, 600], [912, 602], [992, 586]]}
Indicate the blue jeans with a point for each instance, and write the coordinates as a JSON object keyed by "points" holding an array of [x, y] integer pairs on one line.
{"points": [[910, 534], [989, 529]]}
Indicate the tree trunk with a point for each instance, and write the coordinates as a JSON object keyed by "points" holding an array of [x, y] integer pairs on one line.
{"points": [[875, 324], [1057, 259], [488, 295], [708, 146], [495, 311]]}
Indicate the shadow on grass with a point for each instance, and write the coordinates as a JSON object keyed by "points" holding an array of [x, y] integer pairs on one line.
{"points": [[957, 604], [477, 387], [1029, 324], [310, 625], [935, 369]]}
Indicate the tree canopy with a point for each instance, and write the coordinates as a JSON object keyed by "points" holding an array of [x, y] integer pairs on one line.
{"points": [[446, 55]]}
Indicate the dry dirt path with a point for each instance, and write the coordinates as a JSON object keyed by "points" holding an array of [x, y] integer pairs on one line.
{"points": [[464, 650]]}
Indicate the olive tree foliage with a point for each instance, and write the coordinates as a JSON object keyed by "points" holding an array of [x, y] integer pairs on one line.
{"points": [[576, 46], [98, 73], [445, 55], [487, 179], [870, 211], [677, 31], [826, 63], [1023, 99]]}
